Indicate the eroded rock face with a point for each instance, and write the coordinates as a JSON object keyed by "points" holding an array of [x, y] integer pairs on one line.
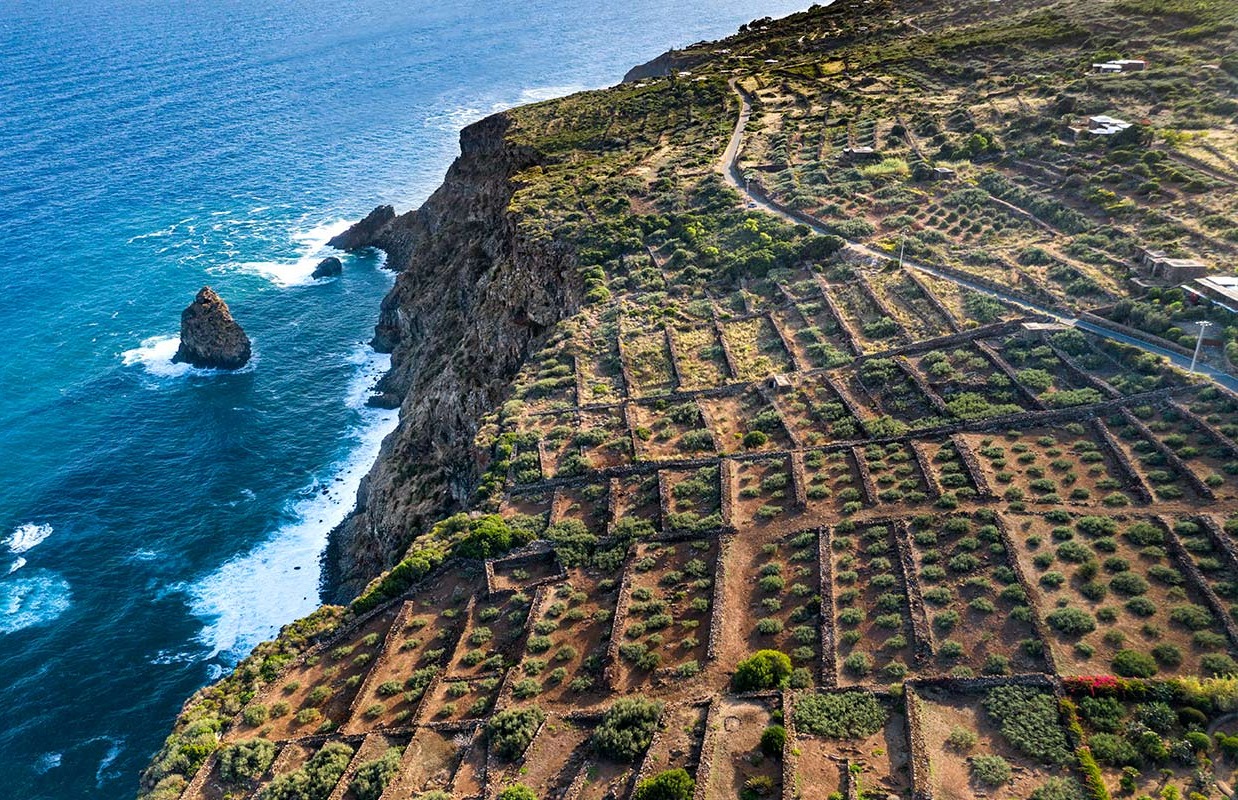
{"points": [[472, 296], [329, 267], [210, 337]]}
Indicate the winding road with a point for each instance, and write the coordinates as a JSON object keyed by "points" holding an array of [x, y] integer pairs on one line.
{"points": [[729, 166]]}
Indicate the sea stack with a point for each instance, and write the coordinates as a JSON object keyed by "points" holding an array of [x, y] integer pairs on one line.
{"points": [[329, 267], [210, 338]]}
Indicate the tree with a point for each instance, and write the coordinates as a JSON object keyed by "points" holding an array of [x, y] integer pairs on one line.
{"points": [[672, 784], [765, 669]]}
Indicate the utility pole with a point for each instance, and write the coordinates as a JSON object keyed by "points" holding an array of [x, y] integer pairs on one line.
{"points": [[1199, 339], [902, 244]]}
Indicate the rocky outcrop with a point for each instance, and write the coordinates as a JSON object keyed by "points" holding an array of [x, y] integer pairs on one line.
{"points": [[329, 267], [665, 64], [472, 296], [210, 338]]}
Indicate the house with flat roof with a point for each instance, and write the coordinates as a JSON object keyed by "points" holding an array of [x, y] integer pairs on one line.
{"points": [[1219, 290], [1120, 65], [1157, 264]]}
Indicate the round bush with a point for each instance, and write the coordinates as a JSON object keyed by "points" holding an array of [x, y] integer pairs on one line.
{"points": [[1071, 621], [672, 784], [990, 770], [772, 740], [765, 669], [1134, 664]]}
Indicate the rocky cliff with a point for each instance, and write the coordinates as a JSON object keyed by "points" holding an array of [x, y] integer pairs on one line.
{"points": [[472, 295]]}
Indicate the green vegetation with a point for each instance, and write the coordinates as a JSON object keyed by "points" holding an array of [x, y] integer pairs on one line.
{"points": [[511, 731], [765, 669], [671, 784], [627, 728], [844, 715]]}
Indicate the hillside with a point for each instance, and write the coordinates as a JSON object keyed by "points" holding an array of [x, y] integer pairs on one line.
{"points": [[824, 349]]}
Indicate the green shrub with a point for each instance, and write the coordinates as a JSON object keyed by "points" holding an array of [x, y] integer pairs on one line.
{"points": [[1071, 621], [990, 770], [627, 728], [772, 740], [1133, 664], [1028, 719], [517, 791], [510, 732], [961, 739], [844, 715], [315, 779], [671, 784], [373, 776], [765, 669], [245, 761]]}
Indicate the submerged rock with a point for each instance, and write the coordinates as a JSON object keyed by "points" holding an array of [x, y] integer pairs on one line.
{"points": [[329, 267], [209, 336]]}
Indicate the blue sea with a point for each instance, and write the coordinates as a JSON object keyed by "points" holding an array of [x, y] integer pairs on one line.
{"points": [[157, 521]]}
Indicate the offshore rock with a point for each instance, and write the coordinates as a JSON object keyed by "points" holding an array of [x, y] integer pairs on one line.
{"points": [[365, 232], [210, 338], [329, 267]]}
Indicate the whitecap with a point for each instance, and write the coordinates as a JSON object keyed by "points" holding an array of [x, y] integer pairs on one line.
{"points": [[312, 248], [25, 538], [113, 752], [155, 356], [34, 598], [17, 564], [247, 599], [143, 555], [47, 762]]}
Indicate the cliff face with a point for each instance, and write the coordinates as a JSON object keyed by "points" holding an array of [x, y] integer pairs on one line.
{"points": [[471, 298]]}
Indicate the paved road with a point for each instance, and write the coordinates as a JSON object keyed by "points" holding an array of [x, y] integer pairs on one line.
{"points": [[729, 166]]}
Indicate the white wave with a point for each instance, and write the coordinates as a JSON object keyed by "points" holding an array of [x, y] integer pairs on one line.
{"points": [[463, 116], [155, 356], [47, 762], [17, 564], [114, 749], [32, 599], [25, 538], [173, 657], [143, 555], [312, 248], [250, 597]]}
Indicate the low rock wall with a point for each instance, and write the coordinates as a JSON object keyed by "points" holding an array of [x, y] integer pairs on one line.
{"points": [[1131, 476], [920, 630], [1198, 486]]}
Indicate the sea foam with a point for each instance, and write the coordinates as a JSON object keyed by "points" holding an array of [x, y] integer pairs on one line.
{"points": [[25, 538], [311, 248], [31, 599], [251, 596]]}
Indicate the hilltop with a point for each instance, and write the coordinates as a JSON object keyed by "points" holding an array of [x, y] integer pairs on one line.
{"points": [[804, 416]]}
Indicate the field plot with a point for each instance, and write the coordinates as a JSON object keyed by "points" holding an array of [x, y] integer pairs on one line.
{"points": [[1158, 746], [586, 504], [971, 593], [602, 440], [695, 500], [701, 362], [670, 431], [635, 498], [915, 312], [976, 749], [1114, 599], [1211, 461], [762, 491], [415, 650], [872, 618], [547, 766], [679, 743], [745, 422], [528, 506], [524, 570], [1047, 376], [563, 656], [949, 470], [315, 695], [892, 401], [897, 477], [969, 383], [493, 626], [427, 763], [648, 360], [875, 330], [461, 698], [813, 348], [738, 762], [1167, 481], [549, 383], [598, 366], [1052, 466], [667, 622], [833, 481], [850, 739], [781, 606], [757, 349], [823, 337], [814, 414]]}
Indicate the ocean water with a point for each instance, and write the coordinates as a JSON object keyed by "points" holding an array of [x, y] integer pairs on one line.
{"points": [[157, 521]]}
